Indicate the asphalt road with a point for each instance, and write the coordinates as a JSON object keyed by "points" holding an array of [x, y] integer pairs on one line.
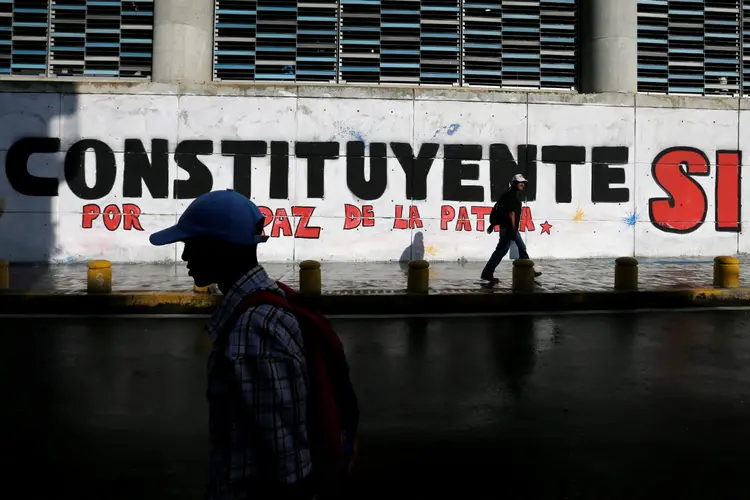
{"points": [[600, 407]]}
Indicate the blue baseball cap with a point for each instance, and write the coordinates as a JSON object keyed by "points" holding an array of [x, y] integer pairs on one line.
{"points": [[222, 215]]}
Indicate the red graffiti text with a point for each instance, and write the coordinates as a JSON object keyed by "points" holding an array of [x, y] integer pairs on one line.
{"points": [[112, 217]]}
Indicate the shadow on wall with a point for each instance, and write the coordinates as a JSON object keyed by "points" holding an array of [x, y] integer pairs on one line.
{"points": [[36, 129], [415, 251]]}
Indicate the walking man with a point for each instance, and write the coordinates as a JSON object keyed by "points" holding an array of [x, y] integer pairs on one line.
{"points": [[507, 214], [257, 380]]}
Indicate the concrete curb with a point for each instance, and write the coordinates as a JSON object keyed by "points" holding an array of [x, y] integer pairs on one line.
{"points": [[377, 304]]}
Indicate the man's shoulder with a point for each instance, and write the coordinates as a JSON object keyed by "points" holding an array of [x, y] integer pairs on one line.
{"points": [[262, 323], [269, 316], [505, 197]]}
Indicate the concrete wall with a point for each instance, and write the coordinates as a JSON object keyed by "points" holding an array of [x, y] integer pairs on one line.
{"points": [[90, 173]]}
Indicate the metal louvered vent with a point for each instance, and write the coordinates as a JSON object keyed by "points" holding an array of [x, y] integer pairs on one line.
{"points": [[689, 46], [276, 40], [521, 44], [440, 47], [109, 38], [317, 42], [136, 41], [399, 41], [68, 39], [558, 44], [234, 40], [101, 38], [360, 49], [494, 43], [483, 43], [745, 55], [24, 31]]}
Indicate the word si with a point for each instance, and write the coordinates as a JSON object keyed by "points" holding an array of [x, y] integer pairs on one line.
{"points": [[685, 208]]}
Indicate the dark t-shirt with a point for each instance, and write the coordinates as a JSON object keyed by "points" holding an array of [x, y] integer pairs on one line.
{"points": [[509, 202]]}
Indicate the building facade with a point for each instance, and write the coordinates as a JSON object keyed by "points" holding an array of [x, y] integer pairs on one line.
{"points": [[374, 130]]}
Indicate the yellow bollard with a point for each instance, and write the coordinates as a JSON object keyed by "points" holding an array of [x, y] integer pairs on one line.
{"points": [[726, 272], [4, 275], [204, 289], [626, 274], [418, 278], [99, 277], [309, 277], [523, 275]]}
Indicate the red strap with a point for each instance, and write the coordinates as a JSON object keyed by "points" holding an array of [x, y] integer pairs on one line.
{"points": [[288, 291], [254, 299], [264, 297], [269, 298]]}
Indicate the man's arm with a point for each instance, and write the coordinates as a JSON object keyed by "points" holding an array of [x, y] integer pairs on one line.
{"points": [[274, 392], [512, 228]]}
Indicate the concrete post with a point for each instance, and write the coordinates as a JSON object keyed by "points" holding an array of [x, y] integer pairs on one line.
{"points": [[310, 279], [726, 272], [626, 274], [418, 277], [523, 275], [4, 275], [99, 278], [183, 41], [609, 46]]}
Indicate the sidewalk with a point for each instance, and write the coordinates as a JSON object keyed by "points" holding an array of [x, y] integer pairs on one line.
{"points": [[379, 289], [591, 275]]}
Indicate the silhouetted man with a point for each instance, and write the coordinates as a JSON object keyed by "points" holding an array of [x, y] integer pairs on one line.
{"points": [[507, 214], [257, 383]]}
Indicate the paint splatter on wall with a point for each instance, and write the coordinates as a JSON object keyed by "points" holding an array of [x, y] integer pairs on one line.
{"points": [[345, 130], [631, 218], [448, 129], [578, 217]]}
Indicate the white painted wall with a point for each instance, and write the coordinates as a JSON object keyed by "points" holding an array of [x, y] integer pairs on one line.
{"points": [[49, 228]]}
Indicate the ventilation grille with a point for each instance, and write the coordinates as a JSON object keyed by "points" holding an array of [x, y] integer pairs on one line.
{"points": [[690, 47], [276, 40], [509, 43], [24, 34], [96, 38], [746, 48]]}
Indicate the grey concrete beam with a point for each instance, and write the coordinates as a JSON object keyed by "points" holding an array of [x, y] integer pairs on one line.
{"points": [[183, 41], [609, 46]]}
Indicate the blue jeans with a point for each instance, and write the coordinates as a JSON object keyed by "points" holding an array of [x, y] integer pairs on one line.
{"points": [[502, 248]]}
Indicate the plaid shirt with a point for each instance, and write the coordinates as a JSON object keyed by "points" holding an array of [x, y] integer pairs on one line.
{"points": [[258, 432]]}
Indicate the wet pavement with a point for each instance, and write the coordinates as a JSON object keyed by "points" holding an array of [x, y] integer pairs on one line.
{"points": [[576, 406], [445, 277]]}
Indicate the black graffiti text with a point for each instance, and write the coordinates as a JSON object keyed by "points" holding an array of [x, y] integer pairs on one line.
{"points": [[460, 167]]}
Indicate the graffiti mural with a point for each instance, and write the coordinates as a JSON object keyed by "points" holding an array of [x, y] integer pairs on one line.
{"points": [[357, 179]]}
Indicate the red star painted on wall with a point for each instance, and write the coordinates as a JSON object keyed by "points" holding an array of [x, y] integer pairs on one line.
{"points": [[546, 226]]}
